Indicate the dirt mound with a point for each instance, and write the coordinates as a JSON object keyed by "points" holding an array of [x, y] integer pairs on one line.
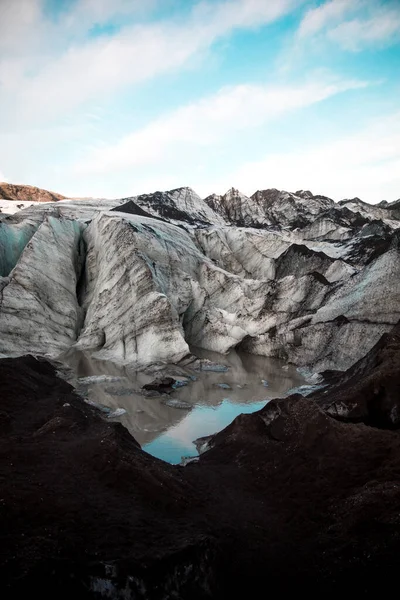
{"points": [[27, 193], [285, 499]]}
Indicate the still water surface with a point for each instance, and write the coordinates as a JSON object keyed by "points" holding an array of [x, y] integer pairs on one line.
{"points": [[211, 401]]}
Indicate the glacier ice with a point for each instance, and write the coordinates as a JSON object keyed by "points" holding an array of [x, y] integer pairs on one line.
{"points": [[291, 276]]}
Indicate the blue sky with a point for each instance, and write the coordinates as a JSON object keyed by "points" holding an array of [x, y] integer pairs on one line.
{"points": [[111, 98]]}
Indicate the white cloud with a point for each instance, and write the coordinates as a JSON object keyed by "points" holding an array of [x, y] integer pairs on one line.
{"points": [[19, 20], [352, 24], [87, 13], [221, 17], [51, 67], [382, 29], [25, 25], [208, 122], [366, 164], [324, 15], [44, 85]]}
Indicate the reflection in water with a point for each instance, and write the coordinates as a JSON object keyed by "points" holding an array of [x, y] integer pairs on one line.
{"points": [[216, 398]]}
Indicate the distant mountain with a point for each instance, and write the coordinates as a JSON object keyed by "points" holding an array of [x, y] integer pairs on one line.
{"points": [[27, 193], [269, 207], [181, 205]]}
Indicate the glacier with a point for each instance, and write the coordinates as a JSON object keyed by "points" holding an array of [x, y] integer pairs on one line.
{"points": [[142, 280]]}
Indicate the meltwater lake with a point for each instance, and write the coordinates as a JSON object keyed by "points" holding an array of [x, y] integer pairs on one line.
{"points": [[167, 426]]}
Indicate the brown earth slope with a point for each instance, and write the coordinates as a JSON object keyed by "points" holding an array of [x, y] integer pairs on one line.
{"points": [[286, 500], [27, 193]]}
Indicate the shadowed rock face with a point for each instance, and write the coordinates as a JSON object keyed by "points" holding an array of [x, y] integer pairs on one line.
{"points": [[369, 391], [288, 495], [179, 205], [132, 208], [299, 260], [239, 210], [27, 193]]}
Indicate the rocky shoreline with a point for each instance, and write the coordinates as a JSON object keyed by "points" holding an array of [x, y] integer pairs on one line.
{"points": [[303, 495]]}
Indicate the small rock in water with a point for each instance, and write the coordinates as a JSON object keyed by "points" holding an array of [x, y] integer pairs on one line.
{"points": [[203, 443], [161, 385], [304, 390], [109, 413], [177, 404], [118, 412], [224, 386], [310, 376], [152, 394], [264, 382], [203, 364], [215, 368], [98, 379], [101, 407], [315, 378]]}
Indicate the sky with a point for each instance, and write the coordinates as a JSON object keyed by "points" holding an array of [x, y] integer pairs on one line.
{"points": [[112, 98]]}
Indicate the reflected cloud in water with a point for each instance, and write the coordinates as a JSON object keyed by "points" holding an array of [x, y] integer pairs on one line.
{"points": [[168, 432]]}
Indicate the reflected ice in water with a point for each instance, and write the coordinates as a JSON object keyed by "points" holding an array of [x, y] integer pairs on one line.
{"points": [[177, 442], [216, 398]]}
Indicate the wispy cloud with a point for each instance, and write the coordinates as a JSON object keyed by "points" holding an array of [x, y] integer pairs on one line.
{"points": [[55, 84], [383, 29], [352, 24], [75, 78], [88, 13], [29, 25], [210, 121], [365, 164], [317, 19], [19, 23]]}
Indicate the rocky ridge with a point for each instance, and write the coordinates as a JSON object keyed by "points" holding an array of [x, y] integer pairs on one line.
{"points": [[27, 193]]}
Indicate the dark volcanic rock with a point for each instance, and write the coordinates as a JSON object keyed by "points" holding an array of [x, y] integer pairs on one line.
{"points": [[345, 217], [286, 499], [163, 385], [81, 503], [369, 391], [366, 248], [132, 208], [300, 260]]}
